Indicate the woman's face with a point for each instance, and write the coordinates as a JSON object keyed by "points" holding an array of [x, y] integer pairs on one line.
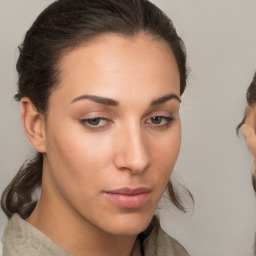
{"points": [[112, 133]]}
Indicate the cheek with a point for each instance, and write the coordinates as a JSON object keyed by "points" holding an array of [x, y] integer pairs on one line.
{"points": [[164, 155], [73, 143], [74, 156]]}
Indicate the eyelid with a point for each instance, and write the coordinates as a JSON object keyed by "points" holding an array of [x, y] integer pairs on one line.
{"points": [[164, 113], [94, 114]]}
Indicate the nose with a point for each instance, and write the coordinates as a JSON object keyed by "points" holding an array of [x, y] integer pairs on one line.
{"points": [[132, 151]]}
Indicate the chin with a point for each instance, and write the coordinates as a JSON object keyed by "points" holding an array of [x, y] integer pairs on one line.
{"points": [[130, 224]]}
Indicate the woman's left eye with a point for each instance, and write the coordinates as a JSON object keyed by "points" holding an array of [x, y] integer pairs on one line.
{"points": [[160, 121]]}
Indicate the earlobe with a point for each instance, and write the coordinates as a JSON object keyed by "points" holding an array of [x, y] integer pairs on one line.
{"points": [[34, 125]]}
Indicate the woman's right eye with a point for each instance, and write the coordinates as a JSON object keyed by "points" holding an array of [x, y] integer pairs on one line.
{"points": [[95, 123]]}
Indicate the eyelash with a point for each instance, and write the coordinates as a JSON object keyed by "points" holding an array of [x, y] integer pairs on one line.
{"points": [[86, 122]]}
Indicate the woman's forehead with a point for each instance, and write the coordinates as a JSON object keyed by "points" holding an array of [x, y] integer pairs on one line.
{"points": [[117, 57], [119, 63]]}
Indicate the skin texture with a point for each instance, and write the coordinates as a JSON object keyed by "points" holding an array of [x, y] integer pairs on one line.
{"points": [[121, 146], [249, 131]]}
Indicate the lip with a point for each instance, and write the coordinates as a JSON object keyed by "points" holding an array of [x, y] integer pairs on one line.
{"points": [[129, 197]]}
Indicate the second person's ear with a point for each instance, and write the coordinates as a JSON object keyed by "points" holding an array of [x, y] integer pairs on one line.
{"points": [[249, 131]]}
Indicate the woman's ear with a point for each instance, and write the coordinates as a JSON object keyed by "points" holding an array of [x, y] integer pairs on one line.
{"points": [[34, 125], [249, 131]]}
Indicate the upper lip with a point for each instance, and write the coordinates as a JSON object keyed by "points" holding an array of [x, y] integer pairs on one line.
{"points": [[129, 191]]}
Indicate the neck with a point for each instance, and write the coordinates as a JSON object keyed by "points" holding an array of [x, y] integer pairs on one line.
{"points": [[76, 235]]}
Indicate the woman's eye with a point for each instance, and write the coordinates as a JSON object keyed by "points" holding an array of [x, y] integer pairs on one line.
{"points": [[156, 119], [160, 121], [93, 121], [96, 123]]}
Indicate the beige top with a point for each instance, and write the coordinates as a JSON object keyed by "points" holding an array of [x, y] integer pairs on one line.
{"points": [[22, 239]]}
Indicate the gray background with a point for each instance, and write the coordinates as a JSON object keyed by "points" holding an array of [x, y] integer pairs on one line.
{"points": [[214, 164]]}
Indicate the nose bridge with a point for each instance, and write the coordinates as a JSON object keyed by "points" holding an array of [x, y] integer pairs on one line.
{"points": [[133, 152]]}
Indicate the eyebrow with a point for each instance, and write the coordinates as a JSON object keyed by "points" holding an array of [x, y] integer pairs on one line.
{"points": [[114, 103], [164, 99], [98, 99]]}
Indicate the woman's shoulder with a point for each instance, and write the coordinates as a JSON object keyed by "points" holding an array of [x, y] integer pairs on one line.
{"points": [[159, 243], [1, 246], [21, 238]]}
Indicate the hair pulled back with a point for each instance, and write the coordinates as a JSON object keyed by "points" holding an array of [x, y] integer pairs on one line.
{"points": [[61, 27]]}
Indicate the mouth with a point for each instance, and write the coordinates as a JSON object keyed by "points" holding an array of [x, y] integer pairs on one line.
{"points": [[128, 197]]}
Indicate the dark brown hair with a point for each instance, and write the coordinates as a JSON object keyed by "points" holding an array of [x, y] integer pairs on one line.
{"points": [[251, 101], [61, 27]]}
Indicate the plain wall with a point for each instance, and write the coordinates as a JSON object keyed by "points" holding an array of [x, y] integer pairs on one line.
{"points": [[214, 163]]}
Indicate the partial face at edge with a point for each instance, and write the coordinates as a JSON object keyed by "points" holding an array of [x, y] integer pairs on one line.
{"points": [[113, 129], [249, 130]]}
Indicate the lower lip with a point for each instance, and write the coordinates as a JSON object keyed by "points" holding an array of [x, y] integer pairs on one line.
{"points": [[128, 201]]}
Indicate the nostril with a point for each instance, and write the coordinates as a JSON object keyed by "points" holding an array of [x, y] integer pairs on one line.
{"points": [[137, 161], [132, 150], [134, 160]]}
